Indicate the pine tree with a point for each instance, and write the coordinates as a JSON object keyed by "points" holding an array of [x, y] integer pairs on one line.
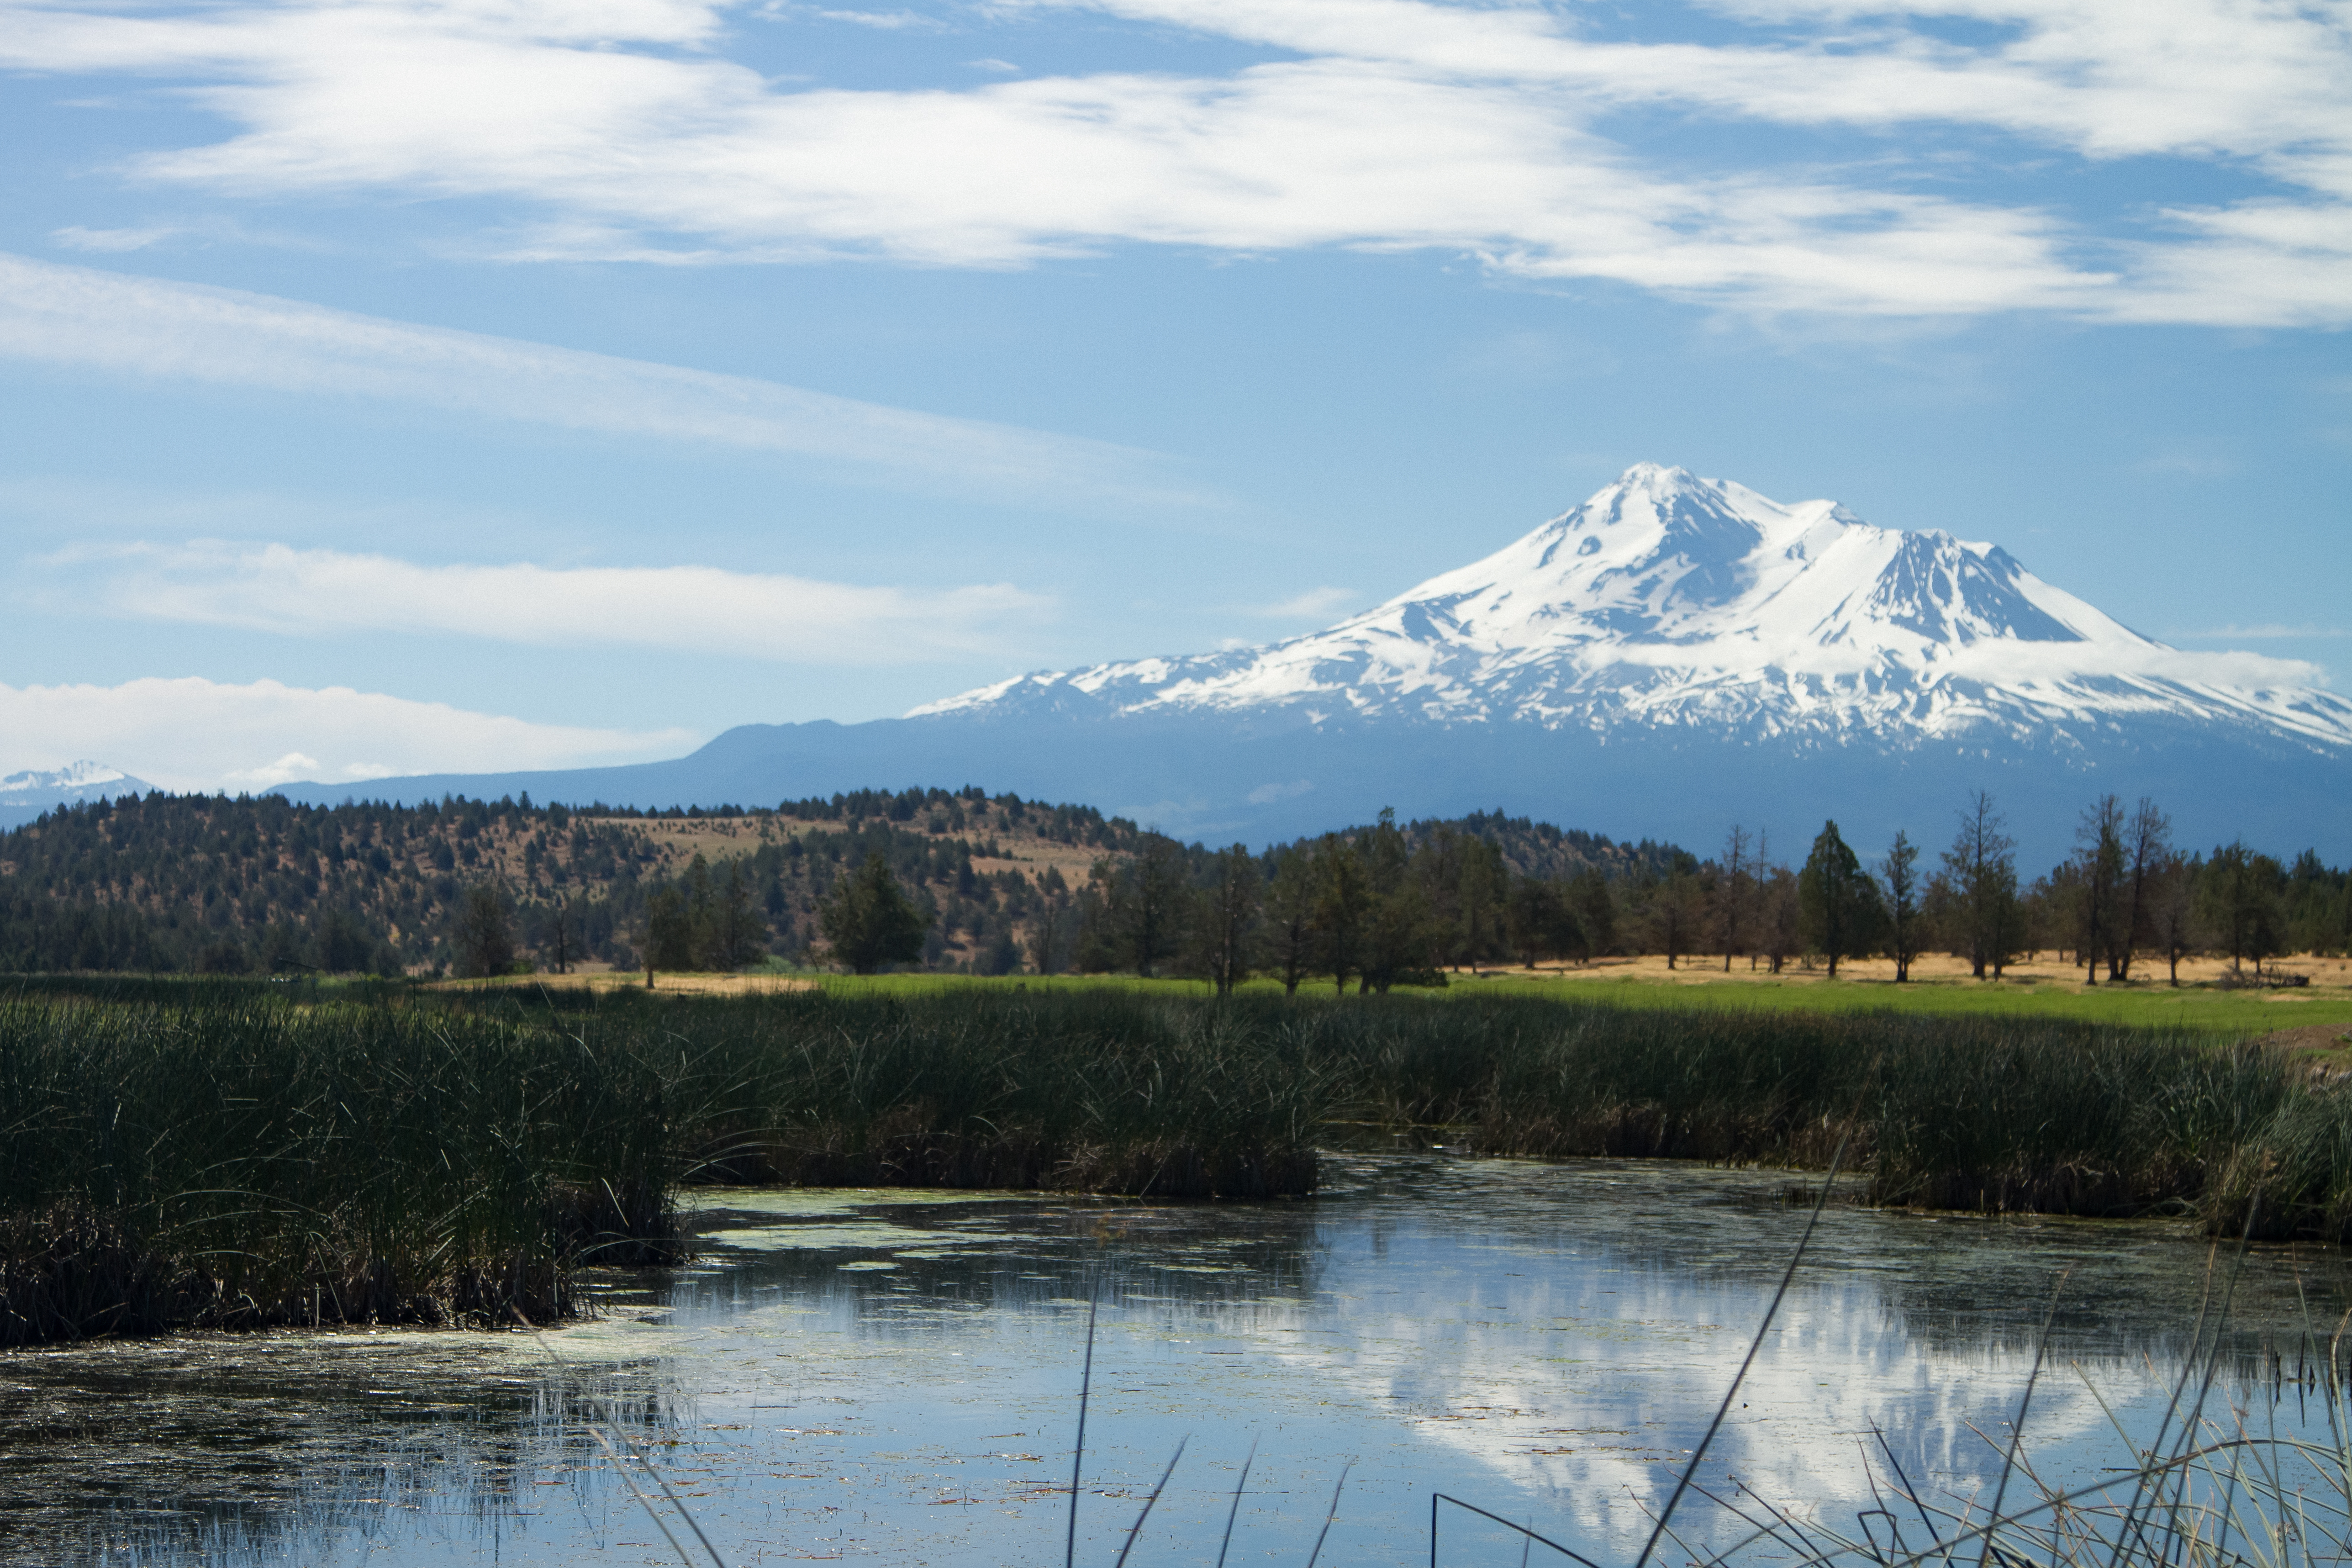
{"points": [[1343, 898], [870, 921], [1478, 898], [2240, 897], [1289, 918], [1838, 904], [1225, 928], [732, 931], [668, 933], [1047, 922], [1901, 871], [484, 945], [1156, 903]]}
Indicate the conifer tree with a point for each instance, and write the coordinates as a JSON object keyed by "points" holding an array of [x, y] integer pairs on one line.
{"points": [[2240, 897], [1479, 900], [1343, 898], [1225, 928], [484, 946], [870, 921], [1902, 870], [1596, 911], [732, 931], [669, 933], [1838, 904], [1289, 918]]}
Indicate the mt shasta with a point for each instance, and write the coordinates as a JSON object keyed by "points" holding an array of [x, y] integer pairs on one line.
{"points": [[1674, 655], [1675, 603]]}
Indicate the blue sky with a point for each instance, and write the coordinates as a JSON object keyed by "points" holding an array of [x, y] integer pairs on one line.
{"points": [[400, 387]]}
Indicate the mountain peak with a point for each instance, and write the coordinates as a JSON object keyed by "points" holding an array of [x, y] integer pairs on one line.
{"points": [[1672, 601], [81, 775], [26, 795]]}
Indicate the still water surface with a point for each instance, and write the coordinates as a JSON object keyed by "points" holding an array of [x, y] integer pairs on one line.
{"points": [[891, 1376]]}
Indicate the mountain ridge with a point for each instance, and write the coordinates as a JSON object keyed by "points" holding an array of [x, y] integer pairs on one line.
{"points": [[1674, 655], [25, 795]]}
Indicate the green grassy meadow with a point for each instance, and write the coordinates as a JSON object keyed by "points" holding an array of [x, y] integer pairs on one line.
{"points": [[2238, 1015], [2202, 1009]]}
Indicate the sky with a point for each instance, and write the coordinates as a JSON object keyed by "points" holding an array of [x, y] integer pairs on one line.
{"points": [[402, 385]]}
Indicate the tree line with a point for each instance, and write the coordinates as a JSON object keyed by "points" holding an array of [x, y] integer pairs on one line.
{"points": [[221, 885], [1391, 904]]}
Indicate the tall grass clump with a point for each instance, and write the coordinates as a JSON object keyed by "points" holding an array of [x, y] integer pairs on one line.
{"points": [[239, 1160], [1946, 1111], [246, 1163], [2294, 1180], [1080, 1091]]}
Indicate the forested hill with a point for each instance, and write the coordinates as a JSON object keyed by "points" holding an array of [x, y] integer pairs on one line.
{"points": [[196, 883], [1538, 850], [231, 886]]}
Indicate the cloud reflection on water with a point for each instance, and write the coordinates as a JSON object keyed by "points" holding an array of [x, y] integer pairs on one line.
{"points": [[1548, 1340]]}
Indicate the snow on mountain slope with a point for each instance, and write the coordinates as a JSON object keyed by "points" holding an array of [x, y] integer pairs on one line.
{"points": [[26, 795], [1669, 601]]}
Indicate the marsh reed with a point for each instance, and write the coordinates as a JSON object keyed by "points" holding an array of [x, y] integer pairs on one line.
{"points": [[242, 1155]]}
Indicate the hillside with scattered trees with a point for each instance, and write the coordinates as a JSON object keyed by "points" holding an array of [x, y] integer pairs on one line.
{"points": [[211, 884], [962, 882]]}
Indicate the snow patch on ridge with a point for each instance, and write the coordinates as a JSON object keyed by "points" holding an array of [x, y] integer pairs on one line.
{"points": [[23, 794]]}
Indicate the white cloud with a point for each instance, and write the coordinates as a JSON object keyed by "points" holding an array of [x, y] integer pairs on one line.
{"points": [[293, 765], [277, 588], [78, 316], [1389, 124], [76, 238], [190, 733], [2010, 662], [888, 21], [1309, 604], [2275, 631]]}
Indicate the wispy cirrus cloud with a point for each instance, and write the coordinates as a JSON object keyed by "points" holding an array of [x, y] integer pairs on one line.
{"points": [[1308, 604], [2269, 631], [190, 733], [1497, 130], [318, 593], [116, 241], [178, 331]]}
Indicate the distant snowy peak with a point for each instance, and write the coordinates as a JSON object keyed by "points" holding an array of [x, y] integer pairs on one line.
{"points": [[1668, 600], [32, 792], [1665, 557]]}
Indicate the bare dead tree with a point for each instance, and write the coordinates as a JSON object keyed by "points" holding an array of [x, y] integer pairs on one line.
{"points": [[2147, 846], [1731, 895]]}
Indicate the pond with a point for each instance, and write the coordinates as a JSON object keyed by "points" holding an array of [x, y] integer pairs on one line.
{"points": [[892, 1376]]}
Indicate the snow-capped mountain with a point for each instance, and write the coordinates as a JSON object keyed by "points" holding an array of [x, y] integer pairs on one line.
{"points": [[1671, 602], [1676, 654], [26, 795]]}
